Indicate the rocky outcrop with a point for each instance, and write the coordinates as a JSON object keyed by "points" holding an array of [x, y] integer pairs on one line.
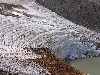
{"points": [[9, 9]]}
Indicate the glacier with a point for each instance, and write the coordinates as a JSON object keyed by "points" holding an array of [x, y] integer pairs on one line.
{"points": [[41, 29], [49, 30]]}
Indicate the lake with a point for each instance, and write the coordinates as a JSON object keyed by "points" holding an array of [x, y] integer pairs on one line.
{"points": [[88, 65]]}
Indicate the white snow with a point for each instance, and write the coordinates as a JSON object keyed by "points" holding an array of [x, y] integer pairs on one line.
{"points": [[44, 29], [16, 13], [16, 1]]}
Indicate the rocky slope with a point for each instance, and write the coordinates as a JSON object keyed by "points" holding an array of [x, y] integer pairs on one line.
{"points": [[84, 12], [33, 26]]}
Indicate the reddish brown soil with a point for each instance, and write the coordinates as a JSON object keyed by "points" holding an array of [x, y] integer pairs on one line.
{"points": [[55, 66]]}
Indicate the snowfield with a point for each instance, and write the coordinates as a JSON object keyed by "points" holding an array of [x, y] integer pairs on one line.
{"points": [[43, 29]]}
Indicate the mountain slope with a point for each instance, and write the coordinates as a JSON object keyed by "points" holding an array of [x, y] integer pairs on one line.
{"points": [[42, 28], [85, 12], [33, 26]]}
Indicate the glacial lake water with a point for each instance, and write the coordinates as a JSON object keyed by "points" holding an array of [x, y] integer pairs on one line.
{"points": [[88, 65]]}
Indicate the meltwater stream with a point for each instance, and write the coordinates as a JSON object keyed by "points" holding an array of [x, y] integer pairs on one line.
{"points": [[88, 65]]}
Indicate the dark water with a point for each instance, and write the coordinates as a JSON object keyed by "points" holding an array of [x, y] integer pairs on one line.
{"points": [[88, 65]]}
